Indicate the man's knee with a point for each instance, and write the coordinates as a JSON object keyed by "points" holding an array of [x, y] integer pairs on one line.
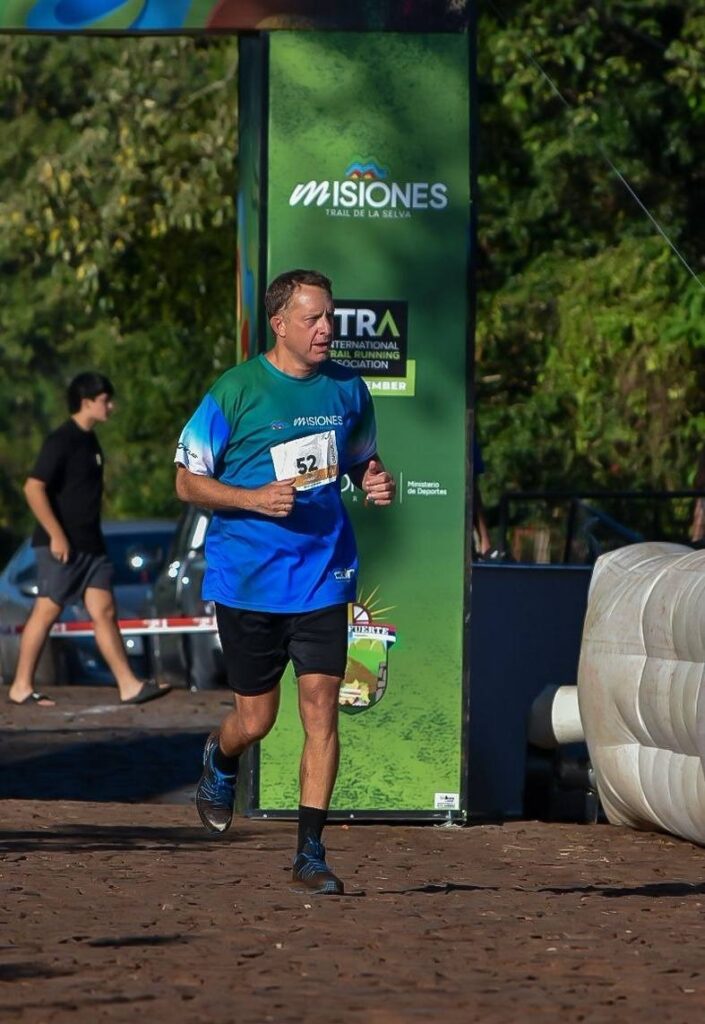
{"points": [[100, 605], [46, 610], [255, 718], [318, 704]]}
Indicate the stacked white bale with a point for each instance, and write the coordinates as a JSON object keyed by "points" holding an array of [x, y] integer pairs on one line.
{"points": [[641, 687]]}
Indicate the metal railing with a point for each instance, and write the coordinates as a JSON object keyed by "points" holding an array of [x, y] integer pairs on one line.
{"points": [[581, 514]]}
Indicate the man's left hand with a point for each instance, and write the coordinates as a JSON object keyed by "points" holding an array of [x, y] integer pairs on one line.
{"points": [[379, 486]]}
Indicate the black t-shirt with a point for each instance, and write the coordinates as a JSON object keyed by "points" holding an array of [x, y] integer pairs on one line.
{"points": [[70, 464]]}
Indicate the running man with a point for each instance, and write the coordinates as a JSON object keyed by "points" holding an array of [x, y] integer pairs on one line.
{"points": [[65, 491], [266, 450]]}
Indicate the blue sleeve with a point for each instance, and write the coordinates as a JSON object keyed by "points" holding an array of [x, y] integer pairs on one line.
{"points": [[362, 442], [204, 439]]}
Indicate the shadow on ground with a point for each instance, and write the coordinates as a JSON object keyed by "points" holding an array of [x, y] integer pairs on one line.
{"points": [[104, 767], [653, 890], [91, 838]]}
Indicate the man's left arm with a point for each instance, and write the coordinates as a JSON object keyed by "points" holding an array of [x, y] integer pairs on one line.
{"points": [[377, 482], [364, 466]]}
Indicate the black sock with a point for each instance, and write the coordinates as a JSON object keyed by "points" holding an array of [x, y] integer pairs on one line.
{"points": [[311, 822], [227, 765]]}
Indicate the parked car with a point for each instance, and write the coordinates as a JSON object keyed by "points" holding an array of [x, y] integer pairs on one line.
{"points": [[192, 660], [137, 548]]}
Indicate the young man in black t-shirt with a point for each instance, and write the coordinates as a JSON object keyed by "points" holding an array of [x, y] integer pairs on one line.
{"points": [[64, 491]]}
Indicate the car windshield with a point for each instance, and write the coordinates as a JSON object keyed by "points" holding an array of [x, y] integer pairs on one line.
{"points": [[137, 557]]}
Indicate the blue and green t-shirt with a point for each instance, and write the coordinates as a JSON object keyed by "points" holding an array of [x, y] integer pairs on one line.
{"points": [[256, 425]]}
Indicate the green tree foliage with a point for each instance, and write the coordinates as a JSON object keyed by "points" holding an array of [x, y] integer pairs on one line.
{"points": [[117, 183], [590, 331], [117, 244]]}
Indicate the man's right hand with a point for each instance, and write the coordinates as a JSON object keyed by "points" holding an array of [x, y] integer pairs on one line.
{"points": [[275, 499], [60, 547]]}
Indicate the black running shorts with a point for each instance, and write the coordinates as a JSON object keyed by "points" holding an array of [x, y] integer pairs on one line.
{"points": [[258, 645]]}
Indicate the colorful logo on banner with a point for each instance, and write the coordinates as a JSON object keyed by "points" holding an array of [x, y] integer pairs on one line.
{"points": [[365, 190], [105, 15], [160, 15], [367, 669], [368, 171]]}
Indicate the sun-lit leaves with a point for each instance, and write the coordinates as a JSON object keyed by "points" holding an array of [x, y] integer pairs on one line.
{"points": [[117, 177], [117, 241], [590, 332]]}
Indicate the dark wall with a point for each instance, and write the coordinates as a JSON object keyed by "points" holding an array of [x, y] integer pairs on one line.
{"points": [[525, 631]]}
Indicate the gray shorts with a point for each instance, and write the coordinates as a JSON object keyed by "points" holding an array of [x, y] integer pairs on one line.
{"points": [[65, 582]]}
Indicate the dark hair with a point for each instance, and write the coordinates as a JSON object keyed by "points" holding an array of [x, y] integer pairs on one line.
{"points": [[278, 295], [87, 385]]}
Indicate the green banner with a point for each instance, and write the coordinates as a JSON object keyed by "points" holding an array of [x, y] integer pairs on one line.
{"points": [[368, 142]]}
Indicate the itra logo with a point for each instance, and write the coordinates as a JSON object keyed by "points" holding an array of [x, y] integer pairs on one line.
{"points": [[366, 190], [371, 336]]}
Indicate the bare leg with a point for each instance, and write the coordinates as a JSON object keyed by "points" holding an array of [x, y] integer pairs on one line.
{"points": [[36, 630], [100, 605], [318, 707], [251, 720]]}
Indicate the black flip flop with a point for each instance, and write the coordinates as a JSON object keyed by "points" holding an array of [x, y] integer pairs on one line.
{"points": [[150, 691], [32, 698]]}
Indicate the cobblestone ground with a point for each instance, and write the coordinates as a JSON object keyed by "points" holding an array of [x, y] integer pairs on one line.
{"points": [[115, 911]]}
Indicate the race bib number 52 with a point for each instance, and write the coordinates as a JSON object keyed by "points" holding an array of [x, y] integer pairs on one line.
{"points": [[312, 460]]}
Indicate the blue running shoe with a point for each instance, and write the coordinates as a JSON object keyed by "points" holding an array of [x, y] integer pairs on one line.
{"points": [[215, 793], [312, 873]]}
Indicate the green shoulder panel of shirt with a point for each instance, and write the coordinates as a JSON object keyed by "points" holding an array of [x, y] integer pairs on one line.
{"points": [[257, 379]]}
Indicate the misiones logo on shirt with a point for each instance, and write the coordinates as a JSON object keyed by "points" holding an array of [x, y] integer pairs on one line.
{"points": [[318, 421]]}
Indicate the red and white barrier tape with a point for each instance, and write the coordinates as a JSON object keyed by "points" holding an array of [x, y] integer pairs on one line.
{"points": [[131, 627], [188, 624]]}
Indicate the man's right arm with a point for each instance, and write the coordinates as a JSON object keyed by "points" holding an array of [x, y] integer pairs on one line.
{"points": [[275, 499], [36, 494]]}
